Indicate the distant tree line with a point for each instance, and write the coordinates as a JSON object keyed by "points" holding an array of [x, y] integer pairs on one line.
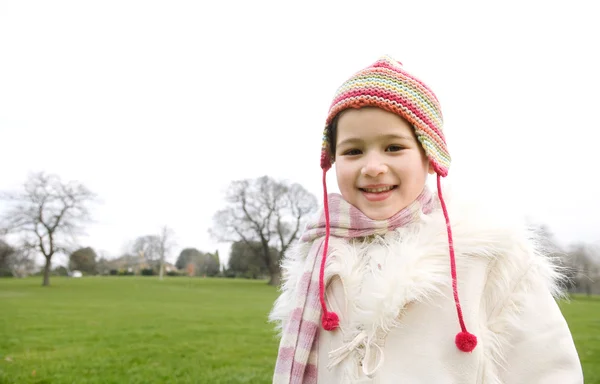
{"points": [[262, 218], [580, 262]]}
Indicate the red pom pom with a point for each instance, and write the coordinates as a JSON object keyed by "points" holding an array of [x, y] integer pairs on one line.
{"points": [[330, 321], [466, 341]]}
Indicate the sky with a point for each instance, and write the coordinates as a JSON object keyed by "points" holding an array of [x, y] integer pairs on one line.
{"points": [[157, 106]]}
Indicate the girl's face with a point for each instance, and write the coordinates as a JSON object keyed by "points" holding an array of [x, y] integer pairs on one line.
{"points": [[381, 168]]}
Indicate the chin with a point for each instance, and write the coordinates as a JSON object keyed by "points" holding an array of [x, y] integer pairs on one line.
{"points": [[378, 215], [383, 213]]}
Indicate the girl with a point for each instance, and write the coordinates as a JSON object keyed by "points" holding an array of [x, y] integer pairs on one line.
{"points": [[384, 288]]}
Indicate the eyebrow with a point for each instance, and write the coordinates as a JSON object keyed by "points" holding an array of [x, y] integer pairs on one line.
{"points": [[352, 140]]}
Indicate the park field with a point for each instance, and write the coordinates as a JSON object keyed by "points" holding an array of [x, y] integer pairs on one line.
{"points": [[179, 330]]}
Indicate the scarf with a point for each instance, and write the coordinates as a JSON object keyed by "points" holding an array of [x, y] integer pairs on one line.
{"points": [[297, 358]]}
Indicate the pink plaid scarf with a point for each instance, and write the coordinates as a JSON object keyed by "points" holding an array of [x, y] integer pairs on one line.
{"points": [[297, 358]]}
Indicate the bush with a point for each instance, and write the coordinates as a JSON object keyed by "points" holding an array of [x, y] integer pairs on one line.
{"points": [[60, 271], [229, 273], [113, 272], [147, 272], [174, 273]]}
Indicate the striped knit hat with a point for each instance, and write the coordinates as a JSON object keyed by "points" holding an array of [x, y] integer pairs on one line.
{"points": [[386, 85]]}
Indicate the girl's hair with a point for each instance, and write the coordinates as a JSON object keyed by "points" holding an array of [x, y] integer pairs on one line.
{"points": [[332, 134]]}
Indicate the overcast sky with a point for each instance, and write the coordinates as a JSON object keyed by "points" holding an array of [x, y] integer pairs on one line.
{"points": [[158, 105]]}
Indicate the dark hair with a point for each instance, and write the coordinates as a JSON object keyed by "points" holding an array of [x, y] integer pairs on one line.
{"points": [[332, 135]]}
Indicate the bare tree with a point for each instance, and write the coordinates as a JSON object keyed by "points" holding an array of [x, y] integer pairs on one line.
{"points": [[49, 214], [148, 247], [15, 262], [266, 211], [22, 262], [155, 248], [166, 244], [6, 252], [585, 261]]}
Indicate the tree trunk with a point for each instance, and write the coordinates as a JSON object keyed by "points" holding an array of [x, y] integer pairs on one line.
{"points": [[274, 273], [47, 272], [275, 277], [161, 269], [272, 265]]}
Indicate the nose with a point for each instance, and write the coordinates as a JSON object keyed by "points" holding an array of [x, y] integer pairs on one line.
{"points": [[374, 166]]}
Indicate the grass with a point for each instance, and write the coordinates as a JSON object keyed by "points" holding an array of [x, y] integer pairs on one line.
{"points": [[136, 330], [141, 330], [583, 316]]}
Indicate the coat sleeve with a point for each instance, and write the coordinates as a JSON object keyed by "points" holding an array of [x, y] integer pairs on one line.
{"points": [[540, 347]]}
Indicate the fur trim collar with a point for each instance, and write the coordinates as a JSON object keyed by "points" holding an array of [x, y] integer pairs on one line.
{"points": [[497, 236]]}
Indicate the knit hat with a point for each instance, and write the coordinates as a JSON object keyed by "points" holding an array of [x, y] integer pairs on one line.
{"points": [[386, 85]]}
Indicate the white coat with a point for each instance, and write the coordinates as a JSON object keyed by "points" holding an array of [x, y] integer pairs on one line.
{"points": [[398, 318]]}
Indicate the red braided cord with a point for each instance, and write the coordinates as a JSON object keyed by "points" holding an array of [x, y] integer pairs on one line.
{"points": [[452, 258], [330, 320]]}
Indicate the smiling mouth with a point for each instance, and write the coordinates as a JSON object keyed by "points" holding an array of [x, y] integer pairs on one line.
{"points": [[379, 190]]}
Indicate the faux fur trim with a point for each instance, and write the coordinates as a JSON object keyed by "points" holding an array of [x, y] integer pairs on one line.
{"points": [[511, 277], [514, 253], [292, 265]]}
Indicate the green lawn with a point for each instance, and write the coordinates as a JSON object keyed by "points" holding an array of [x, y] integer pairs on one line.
{"points": [[136, 330], [583, 315], [141, 330]]}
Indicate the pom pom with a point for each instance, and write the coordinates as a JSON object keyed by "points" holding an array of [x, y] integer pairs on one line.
{"points": [[466, 341], [330, 321]]}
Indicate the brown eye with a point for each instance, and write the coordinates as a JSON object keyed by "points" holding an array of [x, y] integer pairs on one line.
{"points": [[394, 148], [351, 152]]}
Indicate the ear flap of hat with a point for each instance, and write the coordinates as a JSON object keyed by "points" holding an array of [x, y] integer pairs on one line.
{"points": [[326, 155]]}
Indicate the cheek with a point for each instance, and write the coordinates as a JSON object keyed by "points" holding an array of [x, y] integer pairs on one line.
{"points": [[345, 175], [426, 164], [414, 167]]}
